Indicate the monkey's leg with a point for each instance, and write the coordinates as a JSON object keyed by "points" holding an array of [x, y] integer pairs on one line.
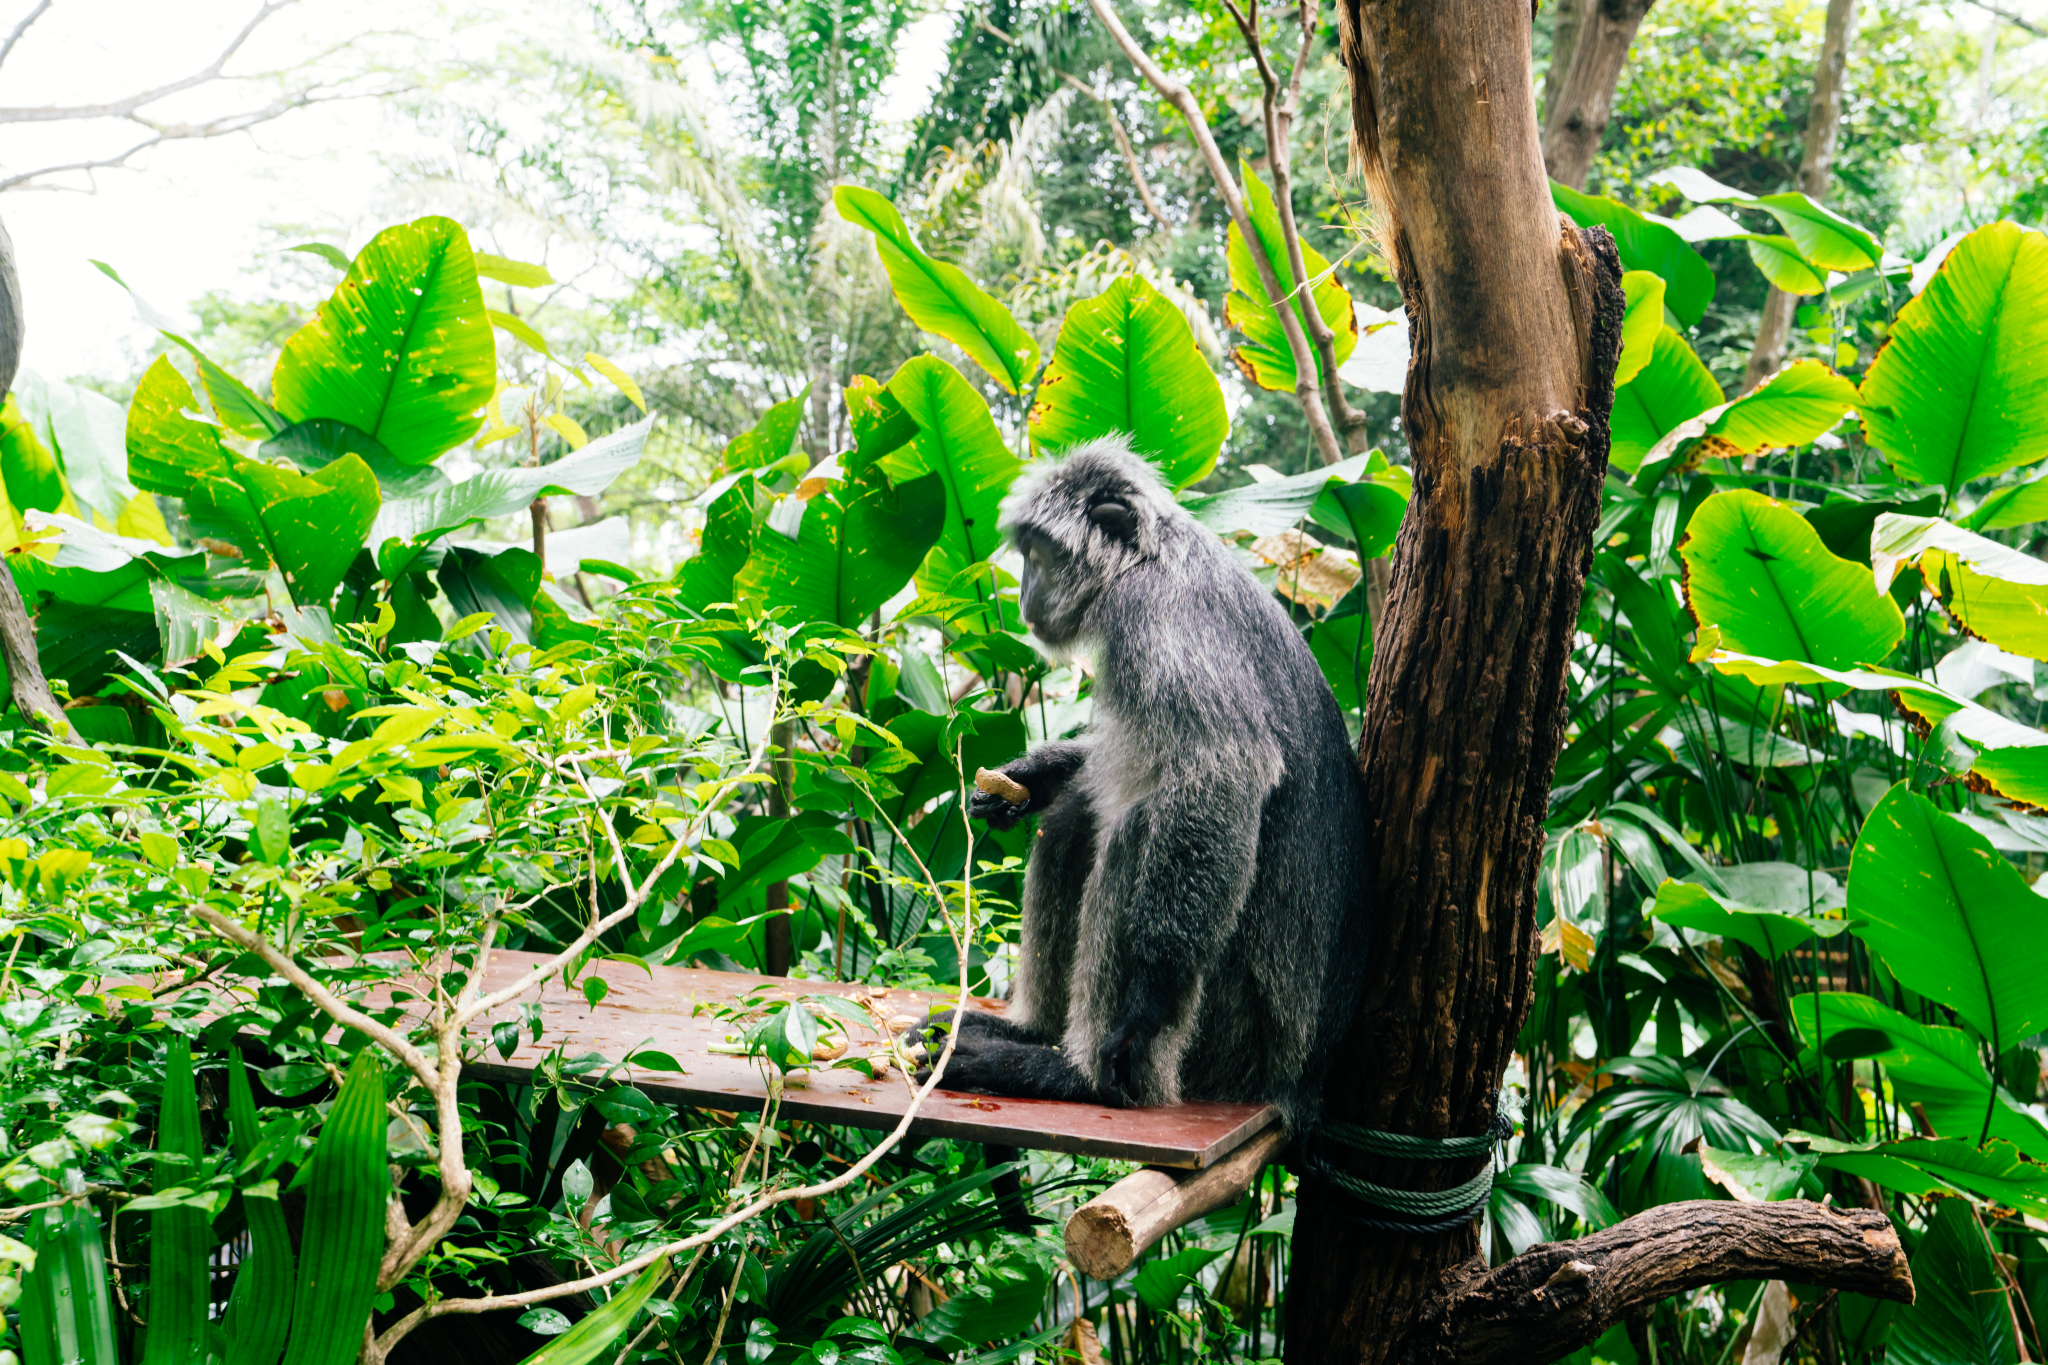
{"points": [[1033, 1071]]}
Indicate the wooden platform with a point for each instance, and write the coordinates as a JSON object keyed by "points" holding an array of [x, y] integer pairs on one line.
{"points": [[657, 1015]]}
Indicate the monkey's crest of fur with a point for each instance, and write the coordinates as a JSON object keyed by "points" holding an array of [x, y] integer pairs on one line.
{"points": [[1053, 497]]}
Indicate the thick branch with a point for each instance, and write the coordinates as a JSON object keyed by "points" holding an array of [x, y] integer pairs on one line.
{"points": [[1555, 1298], [1578, 115], [1184, 102]]}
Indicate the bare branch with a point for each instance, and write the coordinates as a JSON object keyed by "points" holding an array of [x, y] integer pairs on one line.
{"points": [[126, 106], [7, 48], [1184, 102], [2001, 11], [1555, 1298]]}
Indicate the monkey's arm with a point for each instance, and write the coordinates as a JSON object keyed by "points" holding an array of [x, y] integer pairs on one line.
{"points": [[987, 1062], [1180, 902], [1045, 772]]}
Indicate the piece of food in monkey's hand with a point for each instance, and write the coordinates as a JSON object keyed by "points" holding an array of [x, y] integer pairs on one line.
{"points": [[996, 784]]}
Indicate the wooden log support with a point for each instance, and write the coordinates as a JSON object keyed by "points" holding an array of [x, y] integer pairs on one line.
{"points": [[1113, 1229]]}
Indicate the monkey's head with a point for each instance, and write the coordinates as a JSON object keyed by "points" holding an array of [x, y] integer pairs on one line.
{"points": [[1080, 520]]}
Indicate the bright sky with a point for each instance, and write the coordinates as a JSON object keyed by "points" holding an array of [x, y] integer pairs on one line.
{"points": [[191, 217]]}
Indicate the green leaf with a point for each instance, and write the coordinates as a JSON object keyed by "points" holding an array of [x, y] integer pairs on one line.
{"points": [[1959, 1314], [402, 350], [939, 297], [590, 1338], [1757, 573], [347, 1187], [2015, 504], [999, 1304], [1264, 509], [501, 492], [1126, 362], [858, 544], [1928, 1064], [67, 1314], [1369, 512], [1643, 293], [1953, 919], [1821, 236], [504, 584], [1956, 393], [83, 431], [180, 1236], [320, 442], [1645, 245], [769, 440], [167, 451], [707, 576], [234, 403], [1265, 357], [1160, 1283], [505, 271], [28, 469], [521, 330], [1791, 408], [333, 255], [258, 1318], [1779, 260], [310, 526], [1995, 592], [1342, 646], [1770, 932], [956, 440], [1671, 386]]}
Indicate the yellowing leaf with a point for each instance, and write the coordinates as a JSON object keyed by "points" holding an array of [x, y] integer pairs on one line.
{"points": [[620, 379]]}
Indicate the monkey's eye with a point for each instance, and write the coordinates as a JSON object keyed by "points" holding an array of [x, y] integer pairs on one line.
{"points": [[1035, 557]]}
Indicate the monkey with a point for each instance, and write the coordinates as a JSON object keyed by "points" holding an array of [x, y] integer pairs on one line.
{"points": [[1195, 901]]}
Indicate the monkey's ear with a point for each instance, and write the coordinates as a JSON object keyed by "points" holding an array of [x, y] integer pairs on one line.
{"points": [[1116, 518]]}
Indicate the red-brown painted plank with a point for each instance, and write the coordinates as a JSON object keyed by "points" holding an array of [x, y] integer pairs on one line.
{"points": [[657, 1014]]}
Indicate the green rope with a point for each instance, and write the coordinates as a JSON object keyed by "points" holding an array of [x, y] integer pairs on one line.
{"points": [[1373, 1141], [1417, 1203], [1455, 1204]]}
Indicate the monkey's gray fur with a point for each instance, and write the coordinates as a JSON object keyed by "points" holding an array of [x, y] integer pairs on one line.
{"points": [[1195, 902]]}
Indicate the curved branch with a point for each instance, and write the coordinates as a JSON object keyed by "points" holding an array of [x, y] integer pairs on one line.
{"points": [[1557, 1297], [128, 104]]}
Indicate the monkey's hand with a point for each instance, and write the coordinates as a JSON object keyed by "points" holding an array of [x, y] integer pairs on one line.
{"points": [[1123, 1056], [999, 811]]}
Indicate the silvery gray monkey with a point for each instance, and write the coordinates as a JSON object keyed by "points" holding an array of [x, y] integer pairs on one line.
{"points": [[1195, 902]]}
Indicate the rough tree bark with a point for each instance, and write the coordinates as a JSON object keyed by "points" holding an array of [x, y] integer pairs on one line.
{"points": [[1816, 166], [1515, 319], [1568, 19], [32, 696], [1579, 107]]}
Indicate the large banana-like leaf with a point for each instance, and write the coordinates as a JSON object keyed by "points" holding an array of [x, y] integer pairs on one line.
{"points": [[1758, 574], [588, 1339], [1956, 393], [1959, 1314], [180, 1235], [1953, 919], [402, 350], [1265, 357], [957, 440], [67, 1317], [1644, 245], [1791, 408], [309, 525], [168, 451], [1771, 932], [1642, 321], [501, 492], [1996, 592], [1126, 363], [939, 297], [1669, 386], [258, 1320], [857, 544], [347, 1187], [1821, 236]]}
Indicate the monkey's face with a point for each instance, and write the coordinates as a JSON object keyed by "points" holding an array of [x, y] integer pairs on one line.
{"points": [[1054, 592]]}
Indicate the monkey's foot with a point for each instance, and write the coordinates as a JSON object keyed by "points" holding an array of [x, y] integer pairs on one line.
{"points": [[999, 1066]]}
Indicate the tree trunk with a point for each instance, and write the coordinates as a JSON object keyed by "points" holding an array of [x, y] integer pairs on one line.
{"points": [[1579, 108], [1564, 41], [31, 692], [1816, 166], [1515, 317]]}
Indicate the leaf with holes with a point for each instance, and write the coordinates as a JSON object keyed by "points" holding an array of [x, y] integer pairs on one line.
{"points": [[1993, 591]]}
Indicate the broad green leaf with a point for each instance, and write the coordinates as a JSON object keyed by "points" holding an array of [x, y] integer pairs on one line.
{"points": [[1342, 645], [520, 329], [1770, 932], [591, 1337], [707, 576], [180, 1236], [333, 255], [999, 1304], [1959, 1314], [84, 431], [507, 271], [504, 584], [1644, 245], [1757, 574], [234, 403], [1953, 919], [1161, 1282], [957, 440], [67, 1312], [2019, 774], [1265, 357], [1919, 698], [1643, 292], [880, 425], [1671, 386], [1126, 363], [258, 1318], [1997, 593], [858, 544], [309, 525], [1927, 1064], [771, 439], [1368, 511], [621, 381], [1791, 408], [1956, 394], [1942, 1166], [1267, 508], [347, 1187], [402, 350], [33, 482], [501, 492], [1820, 236], [320, 442], [939, 297], [1779, 260], [167, 451]]}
